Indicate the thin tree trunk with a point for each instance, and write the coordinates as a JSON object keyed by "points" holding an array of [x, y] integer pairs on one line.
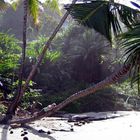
{"points": [[15, 103], [108, 81], [12, 107]]}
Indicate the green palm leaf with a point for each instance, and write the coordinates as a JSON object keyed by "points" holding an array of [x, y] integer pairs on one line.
{"points": [[14, 4], [34, 10], [131, 42], [54, 5], [103, 16]]}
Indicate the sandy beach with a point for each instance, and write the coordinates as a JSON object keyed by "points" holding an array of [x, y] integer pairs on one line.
{"points": [[120, 128]]}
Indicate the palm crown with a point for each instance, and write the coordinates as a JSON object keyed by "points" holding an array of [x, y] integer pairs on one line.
{"points": [[103, 16], [33, 7], [108, 17]]}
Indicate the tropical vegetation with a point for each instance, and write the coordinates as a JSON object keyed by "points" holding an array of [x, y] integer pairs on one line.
{"points": [[65, 70]]}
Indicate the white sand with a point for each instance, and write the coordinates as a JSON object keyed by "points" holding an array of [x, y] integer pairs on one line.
{"points": [[121, 128]]}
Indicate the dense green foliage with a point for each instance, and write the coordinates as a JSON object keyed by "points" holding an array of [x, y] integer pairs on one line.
{"points": [[69, 66], [9, 53], [46, 20], [78, 57]]}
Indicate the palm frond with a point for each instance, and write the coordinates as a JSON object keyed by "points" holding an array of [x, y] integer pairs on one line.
{"points": [[34, 10], [14, 4], [103, 15], [54, 5], [131, 43], [135, 4]]}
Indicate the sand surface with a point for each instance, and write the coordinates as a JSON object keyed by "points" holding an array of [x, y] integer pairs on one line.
{"points": [[126, 127]]}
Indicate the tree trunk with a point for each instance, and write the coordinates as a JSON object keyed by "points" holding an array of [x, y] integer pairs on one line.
{"points": [[108, 81], [15, 103]]}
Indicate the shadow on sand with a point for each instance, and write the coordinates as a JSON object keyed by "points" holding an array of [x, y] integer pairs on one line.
{"points": [[4, 132], [35, 132], [5, 129]]}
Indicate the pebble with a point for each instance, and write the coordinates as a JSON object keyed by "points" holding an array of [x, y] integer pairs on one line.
{"points": [[77, 124], [48, 132], [25, 133], [72, 129], [22, 135], [11, 132], [25, 138], [41, 131], [83, 122]]}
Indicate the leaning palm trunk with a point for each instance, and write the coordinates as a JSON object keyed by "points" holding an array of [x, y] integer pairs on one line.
{"points": [[108, 81], [15, 103]]}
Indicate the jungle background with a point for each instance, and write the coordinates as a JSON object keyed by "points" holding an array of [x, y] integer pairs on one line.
{"points": [[78, 58]]}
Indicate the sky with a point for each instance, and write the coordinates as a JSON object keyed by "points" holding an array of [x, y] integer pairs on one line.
{"points": [[125, 2], [128, 2], [64, 1]]}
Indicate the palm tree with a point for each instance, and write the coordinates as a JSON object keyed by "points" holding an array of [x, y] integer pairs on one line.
{"points": [[83, 53], [127, 15], [46, 112], [15, 103], [88, 14], [131, 43], [104, 16], [32, 7], [127, 18]]}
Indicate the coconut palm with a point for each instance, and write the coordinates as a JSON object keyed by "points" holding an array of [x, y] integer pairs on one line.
{"points": [[45, 112], [104, 16], [87, 14], [14, 104], [83, 53], [31, 7], [112, 11]]}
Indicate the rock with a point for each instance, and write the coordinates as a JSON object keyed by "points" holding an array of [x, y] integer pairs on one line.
{"points": [[77, 118], [22, 135], [49, 132], [15, 125], [77, 124], [25, 138], [49, 107], [25, 133], [11, 132], [91, 116], [72, 129], [41, 131]]}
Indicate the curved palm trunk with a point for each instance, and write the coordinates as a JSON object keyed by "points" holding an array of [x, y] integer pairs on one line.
{"points": [[108, 81], [15, 103]]}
